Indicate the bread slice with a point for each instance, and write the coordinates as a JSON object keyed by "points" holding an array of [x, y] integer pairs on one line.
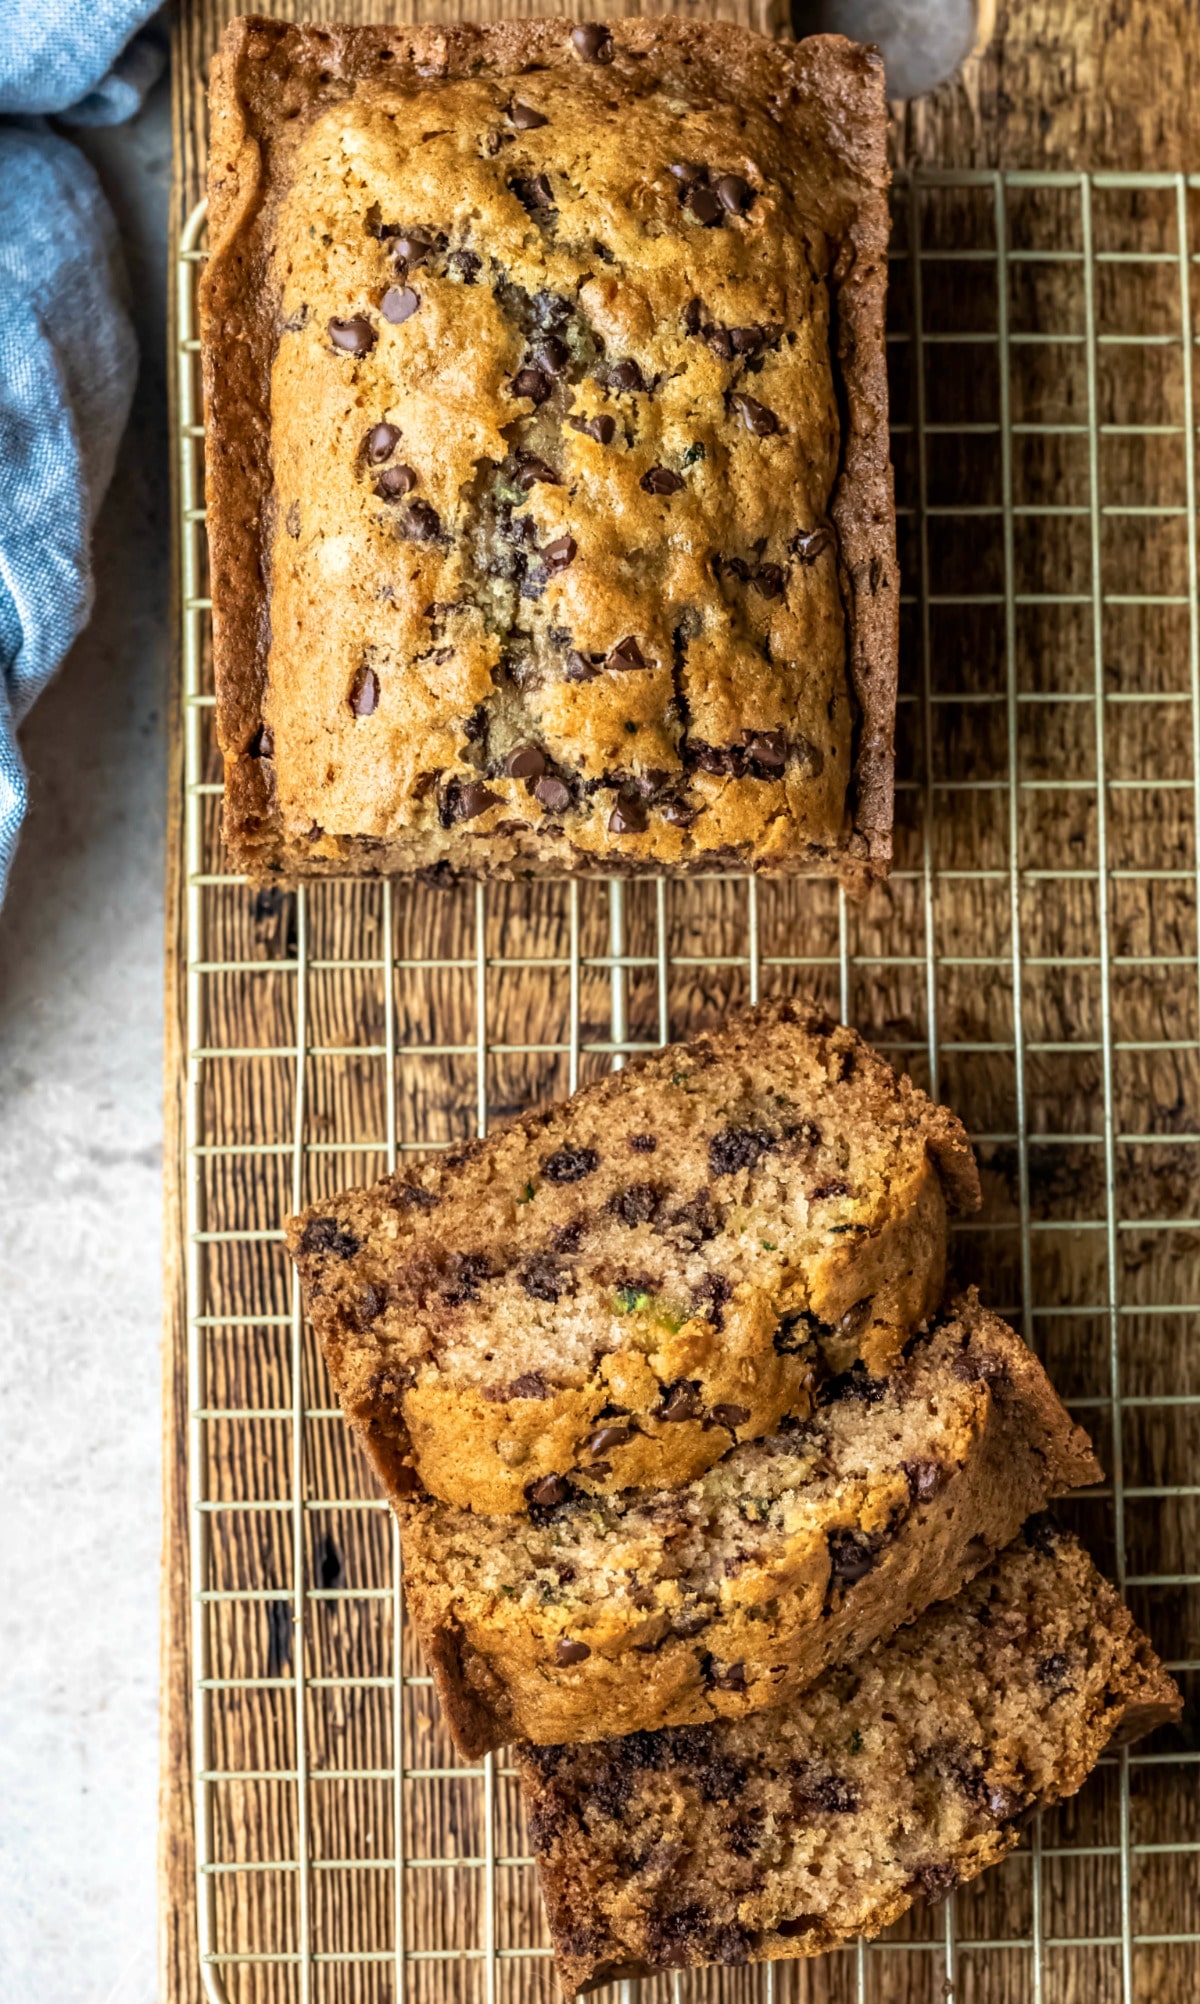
{"points": [[669, 1607], [615, 1290], [893, 1780]]}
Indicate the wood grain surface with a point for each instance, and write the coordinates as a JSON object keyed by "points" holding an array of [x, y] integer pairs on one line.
{"points": [[1065, 86]]}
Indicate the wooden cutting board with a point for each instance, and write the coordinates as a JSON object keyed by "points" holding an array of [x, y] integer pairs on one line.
{"points": [[1074, 84]]}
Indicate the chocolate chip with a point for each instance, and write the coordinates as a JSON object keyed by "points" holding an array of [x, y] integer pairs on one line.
{"points": [[544, 1281], [364, 692], [577, 668], [326, 1235], [606, 1438], [399, 303], [799, 1924], [935, 1882], [693, 313], [826, 1793], [353, 337], [857, 1384], [626, 654], [711, 1294], [410, 250], [1042, 1532], [553, 795], [593, 42], [1052, 1670], [730, 1416], [369, 1306], [602, 428], [530, 1385], [463, 802], [704, 205], [524, 117], [531, 383], [637, 1204], [466, 264], [678, 813], [532, 191], [531, 469], [660, 480], [681, 1401], [1000, 1802], [570, 1165], [262, 744], [395, 482], [552, 355], [549, 1492], [626, 376], [720, 340], [628, 816], [688, 172], [747, 340], [730, 1677], [382, 441], [737, 1148], [925, 1478], [567, 1651], [807, 544], [421, 524], [643, 1144], [850, 1557], [734, 194], [768, 580], [525, 762], [755, 416], [768, 748], [558, 554]]}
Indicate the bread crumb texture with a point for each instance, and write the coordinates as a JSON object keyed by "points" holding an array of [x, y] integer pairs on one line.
{"points": [[555, 438], [600, 1615], [613, 1292], [894, 1779]]}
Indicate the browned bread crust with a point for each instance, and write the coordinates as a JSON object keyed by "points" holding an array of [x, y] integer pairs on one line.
{"points": [[381, 656], [611, 1292], [895, 1779], [674, 1607]]}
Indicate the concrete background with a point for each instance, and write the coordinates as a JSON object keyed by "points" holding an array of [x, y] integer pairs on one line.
{"points": [[81, 971]]}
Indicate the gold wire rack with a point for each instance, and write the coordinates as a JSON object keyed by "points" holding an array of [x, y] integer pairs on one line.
{"points": [[1034, 959]]}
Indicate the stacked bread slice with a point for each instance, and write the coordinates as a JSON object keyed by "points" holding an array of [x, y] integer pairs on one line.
{"points": [[681, 1437]]}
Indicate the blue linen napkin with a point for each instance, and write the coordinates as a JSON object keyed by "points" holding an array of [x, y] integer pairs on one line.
{"points": [[67, 353]]}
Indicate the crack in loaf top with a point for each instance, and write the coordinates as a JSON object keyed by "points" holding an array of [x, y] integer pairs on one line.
{"points": [[557, 568]]}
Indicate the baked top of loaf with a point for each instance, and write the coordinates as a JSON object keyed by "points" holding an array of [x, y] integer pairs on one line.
{"points": [[550, 511], [895, 1779], [614, 1290], [676, 1606]]}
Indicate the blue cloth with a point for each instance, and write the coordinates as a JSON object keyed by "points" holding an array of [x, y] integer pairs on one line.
{"points": [[68, 358]]}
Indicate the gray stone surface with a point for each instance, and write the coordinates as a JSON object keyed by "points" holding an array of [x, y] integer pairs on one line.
{"points": [[81, 945]]}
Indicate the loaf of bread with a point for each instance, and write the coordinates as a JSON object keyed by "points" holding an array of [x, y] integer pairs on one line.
{"points": [[605, 1615], [549, 505], [895, 1779], [613, 1292]]}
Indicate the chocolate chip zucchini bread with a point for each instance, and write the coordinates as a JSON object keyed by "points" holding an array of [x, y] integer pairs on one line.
{"points": [[895, 1779], [549, 504], [613, 1292], [673, 1606]]}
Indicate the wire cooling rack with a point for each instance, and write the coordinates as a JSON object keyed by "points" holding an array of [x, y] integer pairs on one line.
{"points": [[1035, 960]]}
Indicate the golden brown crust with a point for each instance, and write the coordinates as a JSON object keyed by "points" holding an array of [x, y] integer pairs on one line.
{"points": [[272, 84], [659, 1266], [929, 1482], [898, 1778]]}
